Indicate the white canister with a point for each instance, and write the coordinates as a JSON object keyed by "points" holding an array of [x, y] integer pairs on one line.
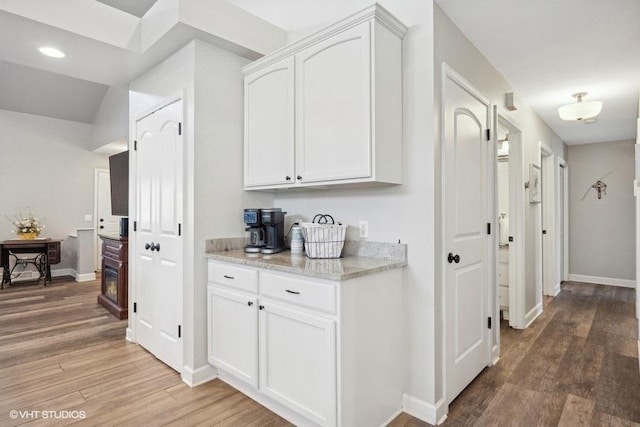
{"points": [[297, 242]]}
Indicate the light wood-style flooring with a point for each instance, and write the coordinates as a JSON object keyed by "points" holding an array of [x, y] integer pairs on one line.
{"points": [[61, 351]]}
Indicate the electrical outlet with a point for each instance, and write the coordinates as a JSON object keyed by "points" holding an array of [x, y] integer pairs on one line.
{"points": [[364, 229]]}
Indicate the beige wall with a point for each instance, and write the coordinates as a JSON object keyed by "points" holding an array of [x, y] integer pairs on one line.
{"points": [[602, 231], [46, 165]]}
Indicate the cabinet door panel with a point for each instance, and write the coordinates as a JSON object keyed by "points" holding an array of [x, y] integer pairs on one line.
{"points": [[233, 333], [333, 87], [298, 361], [269, 127]]}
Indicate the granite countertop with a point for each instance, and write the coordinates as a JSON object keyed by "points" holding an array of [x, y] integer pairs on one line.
{"points": [[359, 259]]}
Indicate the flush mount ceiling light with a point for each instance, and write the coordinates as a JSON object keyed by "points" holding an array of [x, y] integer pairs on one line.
{"points": [[52, 52], [580, 109]]}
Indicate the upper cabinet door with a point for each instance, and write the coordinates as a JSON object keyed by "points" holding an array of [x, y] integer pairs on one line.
{"points": [[333, 96], [269, 126]]}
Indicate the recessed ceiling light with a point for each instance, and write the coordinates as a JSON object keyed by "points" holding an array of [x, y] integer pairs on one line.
{"points": [[52, 52]]}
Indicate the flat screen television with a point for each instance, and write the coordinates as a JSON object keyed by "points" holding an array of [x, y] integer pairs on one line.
{"points": [[119, 176]]}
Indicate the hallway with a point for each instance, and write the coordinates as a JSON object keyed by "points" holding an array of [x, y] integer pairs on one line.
{"points": [[576, 365]]}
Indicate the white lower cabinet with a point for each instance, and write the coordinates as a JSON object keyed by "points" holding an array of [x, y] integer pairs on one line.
{"points": [[233, 333], [282, 339], [298, 361]]}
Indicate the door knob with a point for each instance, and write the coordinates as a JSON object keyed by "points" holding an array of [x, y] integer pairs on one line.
{"points": [[155, 247], [147, 246], [299, 178], [101, 227], [453, 258]]}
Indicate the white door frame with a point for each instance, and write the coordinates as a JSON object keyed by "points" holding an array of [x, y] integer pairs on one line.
{"points": [[547, 221], [563, 245], [450, 73], [517, 205], [96, 255], [133, 214]]}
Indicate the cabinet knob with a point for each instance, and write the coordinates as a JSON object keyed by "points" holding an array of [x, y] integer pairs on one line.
{"points": [[299, 178], [288, 178], [250, 303], [147, 246], [261, 307]]}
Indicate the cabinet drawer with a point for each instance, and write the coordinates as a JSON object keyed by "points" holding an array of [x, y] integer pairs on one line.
{"points": [[319, 296], [235, 277]]}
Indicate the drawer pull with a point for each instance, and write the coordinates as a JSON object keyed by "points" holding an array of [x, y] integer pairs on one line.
{"points": [[293, 292], [228, 277]]}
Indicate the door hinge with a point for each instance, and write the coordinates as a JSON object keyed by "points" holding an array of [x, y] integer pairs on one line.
{"points": [[179, 331], [135, 307], [135, 145], [179, 229], [510, 238], [179, 128], [489, 322], [488, 134], [488, 228], [135, 225]]}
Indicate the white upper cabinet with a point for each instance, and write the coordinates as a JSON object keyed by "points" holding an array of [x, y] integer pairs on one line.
{"points": [[269, 125], [333, 96], [338, 118]]}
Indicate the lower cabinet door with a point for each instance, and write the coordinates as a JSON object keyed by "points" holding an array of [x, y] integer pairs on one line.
{"points": [[298, 361], [233, 333]]}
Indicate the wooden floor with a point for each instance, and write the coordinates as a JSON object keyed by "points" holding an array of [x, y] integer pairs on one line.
{"points": [[64, 355]]}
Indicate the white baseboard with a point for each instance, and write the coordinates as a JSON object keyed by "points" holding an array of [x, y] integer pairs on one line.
{"points": [[432, 414], [201, 375], [532, 315], [556, 290], [129, 336], [85, 277], [610, 281]]}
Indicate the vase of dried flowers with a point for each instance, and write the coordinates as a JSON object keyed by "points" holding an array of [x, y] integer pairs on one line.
{"points": [[26, 227]]}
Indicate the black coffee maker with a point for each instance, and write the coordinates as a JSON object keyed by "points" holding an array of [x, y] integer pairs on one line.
{"points": [[273, 221], [255, 231]]}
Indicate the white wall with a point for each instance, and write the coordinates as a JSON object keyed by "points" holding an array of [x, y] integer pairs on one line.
{"points": [[452, 47], [602, 231], [112, 119], [212, 82], [404, 212], [46, 165]]}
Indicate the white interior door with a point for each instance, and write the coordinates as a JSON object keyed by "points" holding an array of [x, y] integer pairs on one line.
{"points": [[104, 221], [158, 248], [466, 244]]}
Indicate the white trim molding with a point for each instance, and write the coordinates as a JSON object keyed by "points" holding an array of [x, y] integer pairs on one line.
{"points": [[432, 414], [609, 281], [533, 315], [85, 277], [201, 375]]}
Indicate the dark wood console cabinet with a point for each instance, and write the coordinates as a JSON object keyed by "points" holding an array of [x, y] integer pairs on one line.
{"points": [[115, 270]]}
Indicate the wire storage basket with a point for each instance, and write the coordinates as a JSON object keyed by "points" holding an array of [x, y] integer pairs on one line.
{"points": [[323, 239]]}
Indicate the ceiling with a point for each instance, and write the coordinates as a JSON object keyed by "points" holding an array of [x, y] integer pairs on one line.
{"points": [[546, 50], [33, 91], [133, 7]]}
